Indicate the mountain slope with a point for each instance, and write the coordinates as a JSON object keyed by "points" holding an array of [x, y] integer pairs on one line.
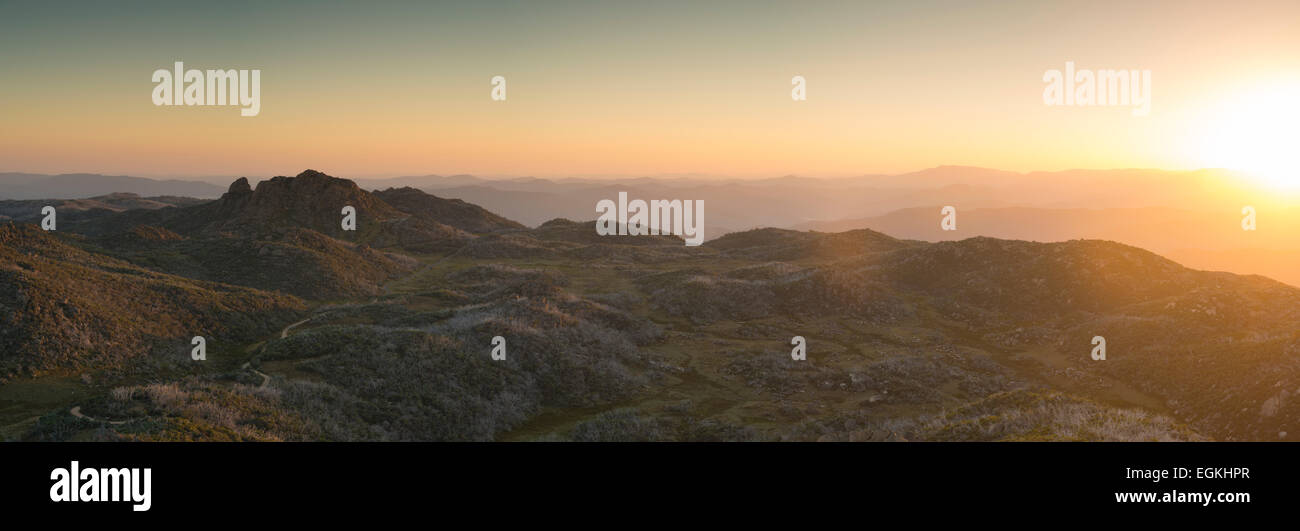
{"points": [[454, 212], [63, 309], [1221, 351], [76, 210], [299, 262]]}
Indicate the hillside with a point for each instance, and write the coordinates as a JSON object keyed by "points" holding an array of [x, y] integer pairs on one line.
{"points": [[1206, 343], [75, 210], [454, 212], [299, 262], [66, 310], [1208, 238], [285, 235]]}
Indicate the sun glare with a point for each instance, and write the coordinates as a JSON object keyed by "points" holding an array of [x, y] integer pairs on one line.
{"points": [[1256, 132]]}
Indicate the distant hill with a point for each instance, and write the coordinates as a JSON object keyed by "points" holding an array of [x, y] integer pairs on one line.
{"points": [[454, 212], [420, 181], [1206, 239], [81, 209], [86, 185], [311, 200], [789, 245], [285, 235]]}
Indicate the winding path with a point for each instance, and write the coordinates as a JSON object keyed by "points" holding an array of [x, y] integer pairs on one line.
{"points": [[284, 333], [76, 412], [266, 380]]}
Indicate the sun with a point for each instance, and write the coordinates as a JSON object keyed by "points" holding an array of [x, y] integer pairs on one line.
{"points": [[1257, 131]]}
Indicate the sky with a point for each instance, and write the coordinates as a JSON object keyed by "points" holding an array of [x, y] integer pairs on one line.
{"points": [[645, 88]]}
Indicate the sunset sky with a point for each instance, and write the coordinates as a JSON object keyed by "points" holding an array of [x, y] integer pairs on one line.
{"points": [[645, 88]]}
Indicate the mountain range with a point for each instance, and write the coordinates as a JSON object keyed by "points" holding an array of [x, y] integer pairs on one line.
{"points": [[384, 333], [1191, 216], [85, 185]]}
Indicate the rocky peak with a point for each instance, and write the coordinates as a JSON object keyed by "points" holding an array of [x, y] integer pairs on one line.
{"points": [[240, 187], [309, 200]]}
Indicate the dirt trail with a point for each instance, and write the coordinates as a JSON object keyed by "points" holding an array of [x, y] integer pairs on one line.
{"points": [[76, 412], [284, 333], [266, 380]]}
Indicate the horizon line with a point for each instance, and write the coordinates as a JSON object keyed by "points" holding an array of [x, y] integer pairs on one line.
{"points": [[658, 176]]}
